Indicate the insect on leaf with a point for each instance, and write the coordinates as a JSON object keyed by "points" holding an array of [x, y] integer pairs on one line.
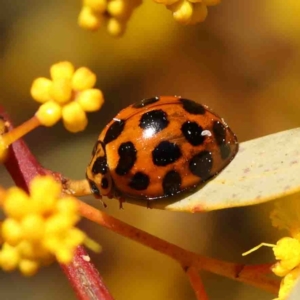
{"points": [[264, 169]]}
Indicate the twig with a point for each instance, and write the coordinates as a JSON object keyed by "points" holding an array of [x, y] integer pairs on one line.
{"points": [[257, 273], [196, 283], [21, 130], [82, 274], [85, 278], [239, 272]]}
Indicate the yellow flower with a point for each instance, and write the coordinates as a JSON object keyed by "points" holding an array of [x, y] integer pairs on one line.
{"points": [[287, 216], [188, 11], [287, 250], [69, 95], [39, 227], [9, 257], [288, 283], [114, 13]]}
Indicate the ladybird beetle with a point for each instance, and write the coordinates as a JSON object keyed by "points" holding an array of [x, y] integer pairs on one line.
{"points": [[160, 147]]}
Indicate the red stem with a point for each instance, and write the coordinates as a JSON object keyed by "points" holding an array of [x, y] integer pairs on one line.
{"points": [[196, 283], [81, 273]]}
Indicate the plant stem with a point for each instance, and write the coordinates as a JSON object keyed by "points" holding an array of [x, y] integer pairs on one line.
{"points": [[81, 273], [2, 195], [196, 283], [18, 132], [239, 272]]}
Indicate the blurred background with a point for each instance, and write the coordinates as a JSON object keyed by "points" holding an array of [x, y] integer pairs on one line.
{"points": [[243, 61]]}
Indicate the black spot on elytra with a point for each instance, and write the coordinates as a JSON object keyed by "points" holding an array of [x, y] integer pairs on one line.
{"points": [[225, 151], [192, 132], [171, 183], [127, 153], [201, 164], [193, 107], [114, 131], [219, 131], [165, 153], [94, 188], [100, 165], [139, 181], [145, 102], [104, 183], [156, 120]]}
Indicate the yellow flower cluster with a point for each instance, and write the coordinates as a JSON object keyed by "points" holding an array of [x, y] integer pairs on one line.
{"points": [[114, 13], [69, 95], [39, 227], [287, 251], [188, 11]]}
